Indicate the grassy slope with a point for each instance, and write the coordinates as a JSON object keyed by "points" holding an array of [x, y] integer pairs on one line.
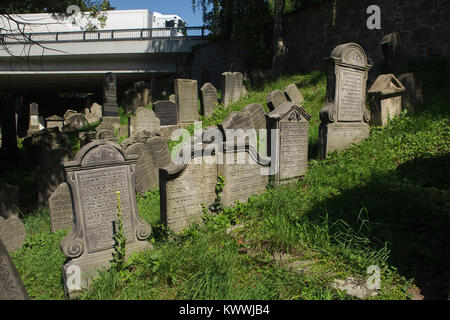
{"points": [[383, 201]]}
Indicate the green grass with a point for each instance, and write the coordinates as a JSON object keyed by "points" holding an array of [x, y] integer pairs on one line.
{"points": [[384, 201]]}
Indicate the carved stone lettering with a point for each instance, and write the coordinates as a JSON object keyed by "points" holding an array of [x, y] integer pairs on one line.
{"points": [[166, 111], [208, 99], [293, 149], [350, 95], [60, 207], [187, 100], [257, 115]]}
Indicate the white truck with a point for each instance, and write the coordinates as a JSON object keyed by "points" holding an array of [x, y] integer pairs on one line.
{"points": [[115, 20]]}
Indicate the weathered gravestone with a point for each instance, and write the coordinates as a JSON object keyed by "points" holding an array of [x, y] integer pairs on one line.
{"points": [[145, 93], [143, 120], [99, 172], [238, 126], [186, 92], [413, 96], [110, 112], [385, 97], [34, 119], [160, 153], [275, 99], [105, 131], [11, 286], [208, 99], [146, 173], [393, 52], [69, 113], [289, 154], [9, 198], [232, 87], [344, 117], [257, 115], [91, 117], [55, 122], [293, 94], [132, 101], [61, 210], [166, 111], [75, 122], [245, 173], [12, 233], [97, 110]]}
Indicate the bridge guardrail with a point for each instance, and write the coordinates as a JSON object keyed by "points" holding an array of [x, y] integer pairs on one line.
{"points": [[184, 33]]}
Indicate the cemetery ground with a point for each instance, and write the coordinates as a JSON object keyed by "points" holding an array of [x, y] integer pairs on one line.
{"points": [[383, 202]]}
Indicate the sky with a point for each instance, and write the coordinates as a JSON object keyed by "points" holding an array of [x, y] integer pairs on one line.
{"points": [[183, 8]]}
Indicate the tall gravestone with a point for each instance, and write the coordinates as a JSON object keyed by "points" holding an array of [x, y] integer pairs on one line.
{"points": [[385, 98], [167, 112], [110, 112], [293, 94], [60, 207], [146, 174], [11, 286], [257, 115], [143, 120], [99, 171], [208, 99], [34, 119], [289, 154], [344, 117], [232, 87], [275, 99], [186, 92]]}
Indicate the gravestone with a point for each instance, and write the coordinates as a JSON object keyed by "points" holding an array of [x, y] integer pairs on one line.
{"points": [[257, 115], [105, 131], [146, 173], [294, 95], [12, 233], [393, 52], [344, 117], [11, 286], [69, 113], [385, 98], [55, 122], [34, 119], [186, 92], [143, 120], [208, 99], [242, 169], [110, 107], [145, 93], [60, 207], [99, 172], [231, 87], [275, 99], [160, 153], [132, 101], [234, 121], [97, 110], [74, 122], [166, 111], [413, 96], [9, 198], [91, 117], [289, 155], [183, 189]]}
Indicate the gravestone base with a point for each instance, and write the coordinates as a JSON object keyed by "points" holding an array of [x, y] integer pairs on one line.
{"points": [[337, 136], [114, 121], [89, 264]]}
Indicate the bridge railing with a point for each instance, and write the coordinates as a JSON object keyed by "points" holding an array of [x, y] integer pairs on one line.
{"points": [[184, 33]]}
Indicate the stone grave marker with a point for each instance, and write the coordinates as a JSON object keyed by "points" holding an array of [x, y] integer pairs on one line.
{"points": [[146, 173], [208, 99], [293, 94], [11, 286], [105, 131], [110, 107], [385, 97], [12, 233], [34, 119], [257, 115], [99, 171], [234, 121], [167, 112], [231, 87], [55, 122], [344, 117], [290, 152], [160, 153], [75, 121], [413, 96], [60, 207], [143, 120], [275, 99], [97, 110], [69, 113], [186, 92], [9, 198]]}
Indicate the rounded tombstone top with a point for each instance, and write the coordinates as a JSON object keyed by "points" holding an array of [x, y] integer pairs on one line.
{"points": [[100, 152], [350, 53]]}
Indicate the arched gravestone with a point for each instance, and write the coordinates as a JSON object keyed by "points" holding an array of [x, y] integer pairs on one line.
{"points": [[99, 170], [160, 153], [257, 115], [208, 99], [275, 99], [11, 286], [166, 111], [289, 154], [12, 233], [186, 92], [344, 117]]}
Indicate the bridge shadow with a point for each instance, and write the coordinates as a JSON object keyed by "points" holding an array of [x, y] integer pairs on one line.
{"points": [[408, 209]]}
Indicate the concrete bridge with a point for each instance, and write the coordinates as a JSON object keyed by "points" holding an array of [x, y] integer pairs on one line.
{"points": [[77, 61]]}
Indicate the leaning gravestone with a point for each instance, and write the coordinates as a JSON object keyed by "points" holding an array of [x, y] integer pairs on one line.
{"points": [[413, 96], [232, 87], [99, 172], [208, 99], [160, 153], [187, 100], [166, 111], [9, 198], [234, 121], [257, 115], [289, 155], [11, 286], [143, 120], [12, 233], [34, 119], [385, 97], [344, 117], [146, 174], [60, 207], [293, 94], [97, 110], [275, 99], [75, 121]]}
